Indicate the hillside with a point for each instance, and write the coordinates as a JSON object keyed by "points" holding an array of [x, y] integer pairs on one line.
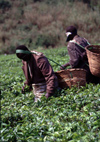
{"points": [[42, 23]]}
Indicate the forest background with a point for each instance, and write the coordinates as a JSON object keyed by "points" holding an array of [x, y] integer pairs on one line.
{"points": [[42, 23]]}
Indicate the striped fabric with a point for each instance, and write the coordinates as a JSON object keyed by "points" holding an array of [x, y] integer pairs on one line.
{"points": [[38, 90]]}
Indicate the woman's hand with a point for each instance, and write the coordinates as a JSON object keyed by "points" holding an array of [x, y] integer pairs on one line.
{"points": [[64, 66], [23, 89]]}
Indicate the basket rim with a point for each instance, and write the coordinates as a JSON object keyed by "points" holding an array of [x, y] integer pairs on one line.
{"points": [[89, 51], [73, 69]]}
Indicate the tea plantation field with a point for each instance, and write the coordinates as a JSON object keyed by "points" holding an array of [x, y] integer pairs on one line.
{"points": [[72, 115]]}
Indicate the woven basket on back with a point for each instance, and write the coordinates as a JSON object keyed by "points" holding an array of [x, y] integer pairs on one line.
{"points": [[93, 54], [71, 77]]}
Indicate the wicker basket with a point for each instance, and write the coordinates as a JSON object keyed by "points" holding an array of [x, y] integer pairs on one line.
{"points": [[93, 54], [71, 77]]}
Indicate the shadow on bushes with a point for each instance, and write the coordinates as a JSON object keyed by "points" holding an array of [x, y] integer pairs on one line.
{"points": [[47, 40]]}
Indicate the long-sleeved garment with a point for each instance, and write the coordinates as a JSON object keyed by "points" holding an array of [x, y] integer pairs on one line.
{"points": [[78, 57], [39, 70], [77, 53]]}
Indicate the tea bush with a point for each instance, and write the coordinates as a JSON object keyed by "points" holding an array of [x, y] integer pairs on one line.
{"points": [[72, 115]]}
